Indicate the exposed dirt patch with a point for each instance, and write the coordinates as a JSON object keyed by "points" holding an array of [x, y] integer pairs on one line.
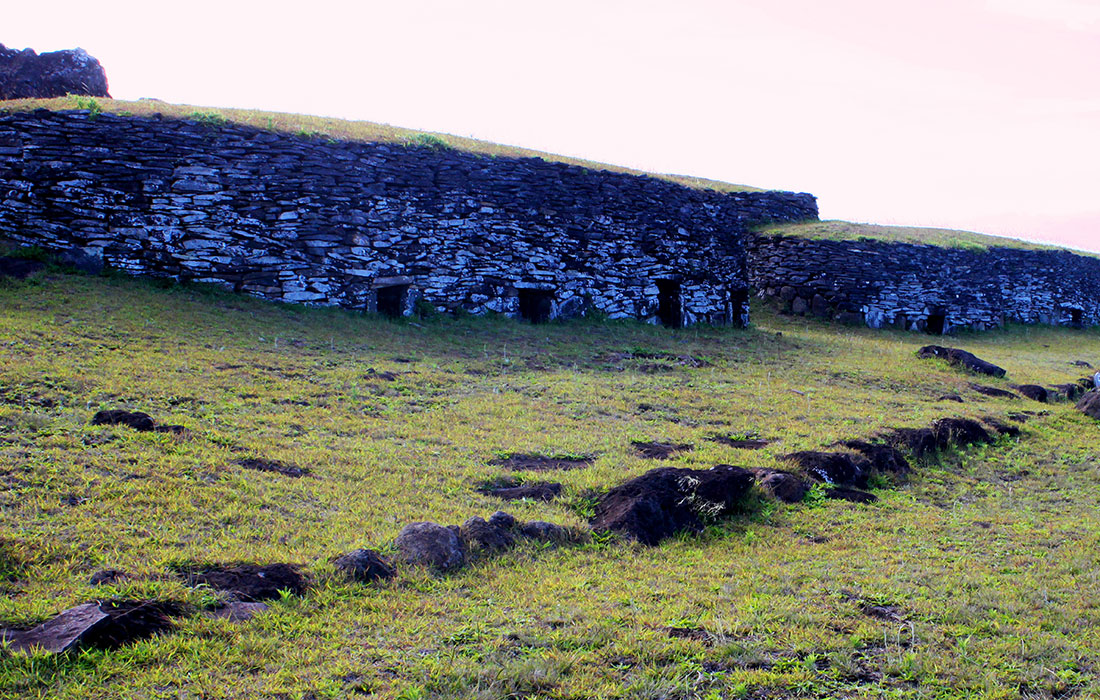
{"points": [[384, 376], [107, 577], [697, 634], [249, 582], [993, 392], [887, 613], [740, 443], [660, 450], [511, 490], [951, 397], [133, 419], [519, 461], [885, 459], [662, 502], [270, 465]]}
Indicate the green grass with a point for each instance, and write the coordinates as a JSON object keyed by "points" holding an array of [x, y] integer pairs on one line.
{"points": [[339, 129], [989, 554], [944, 238]]}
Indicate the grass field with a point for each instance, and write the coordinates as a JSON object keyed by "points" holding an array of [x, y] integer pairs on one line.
{"points": [[341, 129], [944, 238], [987, 560]]}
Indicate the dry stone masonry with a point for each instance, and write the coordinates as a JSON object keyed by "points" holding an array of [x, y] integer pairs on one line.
{"points": [[377, 226], [926, 288]]}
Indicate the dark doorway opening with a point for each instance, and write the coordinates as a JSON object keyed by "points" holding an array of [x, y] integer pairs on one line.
{"points": [[739, 302], [936, 323], [1077, 318], [536, 305], [669, 311], [390, 300]]}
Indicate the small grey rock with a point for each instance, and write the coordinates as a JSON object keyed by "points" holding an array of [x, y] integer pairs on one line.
{"points": [[544, 531], [502, 519]]}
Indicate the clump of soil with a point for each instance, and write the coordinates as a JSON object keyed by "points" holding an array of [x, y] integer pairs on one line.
{"points": [[249, 582], [694, 633], [270, 465], [740, 443], [519, 461], [133, 419], [660, 450], [662, 502], [884, 459]]}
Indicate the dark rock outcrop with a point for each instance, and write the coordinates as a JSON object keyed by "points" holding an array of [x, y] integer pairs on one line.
{"points": [[1090, 404], [104, 625], [133, 419], [843, 493], [993, 392], [840, 468], [662, 502], [941, 435], [1032, 391], [431, 545], [961, 358], [781, 485], [480, 535], [51, 74]]}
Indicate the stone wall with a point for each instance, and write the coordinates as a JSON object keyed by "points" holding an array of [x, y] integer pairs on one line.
{"points": [[927, 288], [377, 226]]}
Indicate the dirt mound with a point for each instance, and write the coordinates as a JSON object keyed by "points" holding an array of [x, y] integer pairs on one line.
{"points": [[841, 468], [740, 443], [961, 358], [519, 461], [270, 465], [134, 419], [249, 582], [993, 392], [660, 450], [662, 502], [105, 625]]}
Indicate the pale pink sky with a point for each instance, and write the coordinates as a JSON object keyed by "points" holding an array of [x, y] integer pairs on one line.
{"points": [[977, 114]]}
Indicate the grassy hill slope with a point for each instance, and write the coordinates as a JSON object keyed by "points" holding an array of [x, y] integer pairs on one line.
{"points": [[944, 238], [987, 558], [341, 129]]}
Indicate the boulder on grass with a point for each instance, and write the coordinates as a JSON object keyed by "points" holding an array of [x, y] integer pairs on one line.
{"points": [[663, 502], [781, 485], [961, 358], [431, 545], [96, 625]]}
